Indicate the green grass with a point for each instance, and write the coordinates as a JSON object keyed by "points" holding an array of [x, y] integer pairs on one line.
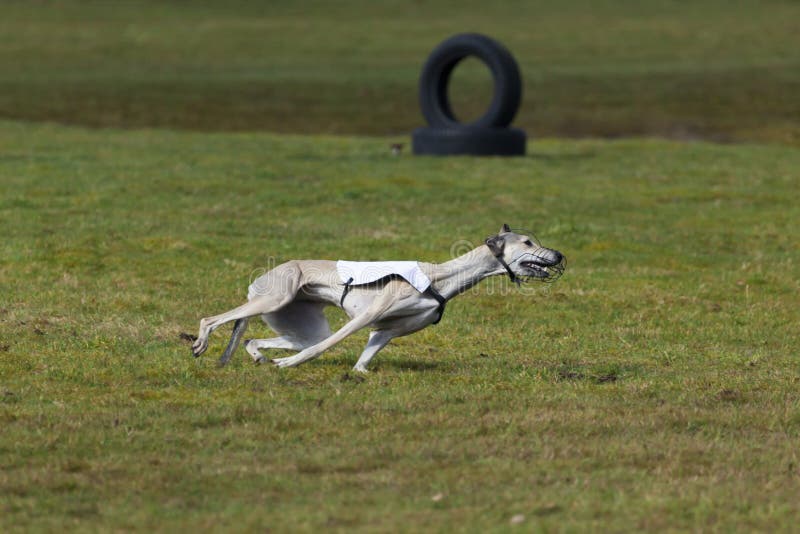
{"points": [[655, 386], [708, 69]]}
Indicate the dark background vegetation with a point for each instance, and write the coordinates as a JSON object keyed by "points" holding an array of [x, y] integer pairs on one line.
{"points": [[713, 69]]}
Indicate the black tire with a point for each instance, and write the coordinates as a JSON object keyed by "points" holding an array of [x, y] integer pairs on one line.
{"points": [[469, 141], [436, 73]]}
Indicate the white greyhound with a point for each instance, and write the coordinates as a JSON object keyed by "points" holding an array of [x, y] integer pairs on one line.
{"points": [[291, 297]]}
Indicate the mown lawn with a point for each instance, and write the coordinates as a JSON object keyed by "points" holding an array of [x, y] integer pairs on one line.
{"points": [[655, 386], [708, 69]]}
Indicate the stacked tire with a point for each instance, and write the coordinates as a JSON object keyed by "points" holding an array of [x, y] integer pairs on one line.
{"points": [[490, 134]]}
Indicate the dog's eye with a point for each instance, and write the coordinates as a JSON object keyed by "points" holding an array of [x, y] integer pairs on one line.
{"points": [[528, 242]]}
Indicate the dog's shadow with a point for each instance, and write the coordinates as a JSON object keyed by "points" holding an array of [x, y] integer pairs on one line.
{"points": [[389, 364], [410, 365]]}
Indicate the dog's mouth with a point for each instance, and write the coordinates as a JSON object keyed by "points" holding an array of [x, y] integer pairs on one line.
{"points": [[537, 269], [542, 269]]}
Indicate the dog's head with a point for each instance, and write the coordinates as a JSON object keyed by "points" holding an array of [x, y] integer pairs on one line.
{"points": [[525, 257]]}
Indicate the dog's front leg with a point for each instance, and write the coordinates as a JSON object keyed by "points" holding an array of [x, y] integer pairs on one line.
{"points": [[378, 307], [357, 323], [377, 340]]}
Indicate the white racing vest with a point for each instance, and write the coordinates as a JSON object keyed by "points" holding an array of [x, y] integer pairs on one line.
{"points": [[366, 272]]}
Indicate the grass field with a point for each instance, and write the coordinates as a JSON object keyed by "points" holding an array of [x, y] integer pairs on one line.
{"points": [[156, 156], [655, 386], [709, 69]]}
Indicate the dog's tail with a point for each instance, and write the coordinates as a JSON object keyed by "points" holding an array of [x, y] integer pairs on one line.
{"points": [[239, 328]]}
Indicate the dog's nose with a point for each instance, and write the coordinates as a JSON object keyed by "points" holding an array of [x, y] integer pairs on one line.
{"points": [[557, 256]]}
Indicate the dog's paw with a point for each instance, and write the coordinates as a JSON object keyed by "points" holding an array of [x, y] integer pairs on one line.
{"points": [[284, 362], [199, 347]]}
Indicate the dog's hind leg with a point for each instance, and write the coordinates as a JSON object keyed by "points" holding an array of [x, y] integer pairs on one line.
{"points": [[239, 328], [253, 346], [257, 306], [283, 284], [300, 324]]}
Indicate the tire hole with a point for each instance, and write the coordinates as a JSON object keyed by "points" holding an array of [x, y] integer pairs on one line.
{"points": [[470, 89]]}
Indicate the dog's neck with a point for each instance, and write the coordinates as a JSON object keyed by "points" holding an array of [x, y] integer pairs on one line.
{"points": [[456, 276]]}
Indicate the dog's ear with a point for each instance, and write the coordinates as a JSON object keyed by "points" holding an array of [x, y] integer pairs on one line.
{"points": [[496, 244], [505, 229]]}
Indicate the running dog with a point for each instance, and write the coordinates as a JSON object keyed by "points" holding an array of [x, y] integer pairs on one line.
{"points": [[392, 298]]}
